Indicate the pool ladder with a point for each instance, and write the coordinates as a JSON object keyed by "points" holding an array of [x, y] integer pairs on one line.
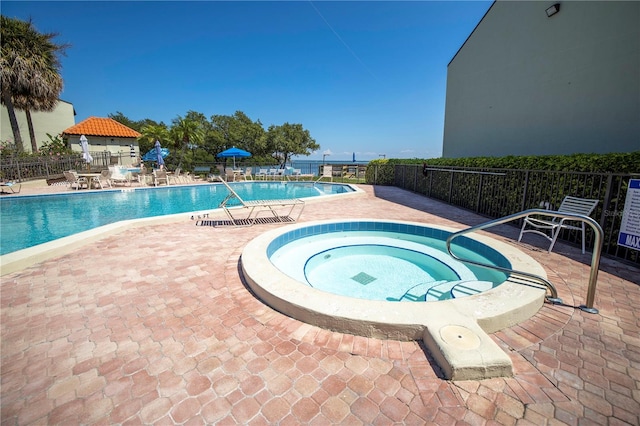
{"points": [[553, 298]]}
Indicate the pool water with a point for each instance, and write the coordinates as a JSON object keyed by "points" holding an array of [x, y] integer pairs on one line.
{"points": [[388, 266], [27, 221]]}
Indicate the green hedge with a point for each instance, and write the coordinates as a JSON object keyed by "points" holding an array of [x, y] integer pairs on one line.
{"points": [[381, 171]]}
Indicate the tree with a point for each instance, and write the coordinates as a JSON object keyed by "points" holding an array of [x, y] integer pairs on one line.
{"points": [[186, 131], [152, 133], [240, 131], [30, 72], [289, 139], [123, 119]]}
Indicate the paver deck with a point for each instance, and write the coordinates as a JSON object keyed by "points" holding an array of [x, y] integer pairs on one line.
{"points": [[155, 326]]}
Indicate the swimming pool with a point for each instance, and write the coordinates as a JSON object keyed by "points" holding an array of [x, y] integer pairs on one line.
{"points": [[27, 221], [454, 329]]}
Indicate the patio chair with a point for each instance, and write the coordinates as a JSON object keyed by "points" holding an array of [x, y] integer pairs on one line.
{"points": [[273, 174], [248, 173], [550, 228], [160, 176], [256, 207], [262, 174], [10, 187], [144, 177], [229, 175], [74, 179], [105, 177], [176, 177]]}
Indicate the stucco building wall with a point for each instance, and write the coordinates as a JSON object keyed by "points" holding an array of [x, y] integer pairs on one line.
{"points": [[527, 84], [53, 122]]}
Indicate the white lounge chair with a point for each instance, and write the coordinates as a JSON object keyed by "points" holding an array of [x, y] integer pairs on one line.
{"points": [[256, 207], [297, 174], [550, 228], [119, 176], [10, 187]]}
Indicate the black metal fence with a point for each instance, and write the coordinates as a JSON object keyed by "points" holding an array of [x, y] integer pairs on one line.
{"points": [[16, 168], [496, 193], [489, 192]]}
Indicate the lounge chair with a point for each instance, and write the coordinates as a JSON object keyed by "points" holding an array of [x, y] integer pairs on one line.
{"points": [[327, 172], [248, 173], [256, 207], [550, 228], [297, 174], [10, 187], [74, 179], [118, 176]]}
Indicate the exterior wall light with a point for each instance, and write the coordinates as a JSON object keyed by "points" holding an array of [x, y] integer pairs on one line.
{"points": [[552, 10]]}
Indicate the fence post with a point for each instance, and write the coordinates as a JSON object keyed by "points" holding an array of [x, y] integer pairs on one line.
{"points": [[606, 202], [525, 190], [479, 195]]}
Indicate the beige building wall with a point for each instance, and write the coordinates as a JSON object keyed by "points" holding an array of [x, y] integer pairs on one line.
{"points": [[119, 148], [528, 84], [54, 122]]}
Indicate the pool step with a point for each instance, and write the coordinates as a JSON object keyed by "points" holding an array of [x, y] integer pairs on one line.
{"points": [[443, 290], [469, 288], [455, 289]]}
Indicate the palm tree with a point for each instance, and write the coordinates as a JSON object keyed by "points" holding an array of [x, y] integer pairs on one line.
{"points": [[150, 134], [30, 72], [186, 131]]}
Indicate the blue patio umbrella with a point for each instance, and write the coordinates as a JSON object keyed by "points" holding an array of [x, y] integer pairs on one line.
{"points": [[152, 155], [234, 152]]}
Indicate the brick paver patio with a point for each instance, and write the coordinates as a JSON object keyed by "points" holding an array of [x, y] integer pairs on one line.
{"points": [[155, 326]]}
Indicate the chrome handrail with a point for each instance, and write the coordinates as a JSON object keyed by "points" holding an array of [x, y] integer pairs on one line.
{"points": [[595, 258]]}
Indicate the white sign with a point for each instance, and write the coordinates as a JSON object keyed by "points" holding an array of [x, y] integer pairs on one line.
{"points": [[630, 228]]}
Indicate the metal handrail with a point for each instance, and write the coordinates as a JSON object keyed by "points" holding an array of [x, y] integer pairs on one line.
{"points": [[595, 258]]}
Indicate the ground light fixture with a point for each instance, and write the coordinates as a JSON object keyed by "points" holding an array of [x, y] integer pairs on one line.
{"points": [[552, 10]]}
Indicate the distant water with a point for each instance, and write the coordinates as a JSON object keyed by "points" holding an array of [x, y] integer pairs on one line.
{"points": [[313, 166]]}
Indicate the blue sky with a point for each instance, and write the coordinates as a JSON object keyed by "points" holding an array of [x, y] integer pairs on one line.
{"points": [[363, 77]]}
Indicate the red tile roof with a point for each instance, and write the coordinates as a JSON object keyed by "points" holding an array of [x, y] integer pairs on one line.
{"points": [[97, 126]]}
